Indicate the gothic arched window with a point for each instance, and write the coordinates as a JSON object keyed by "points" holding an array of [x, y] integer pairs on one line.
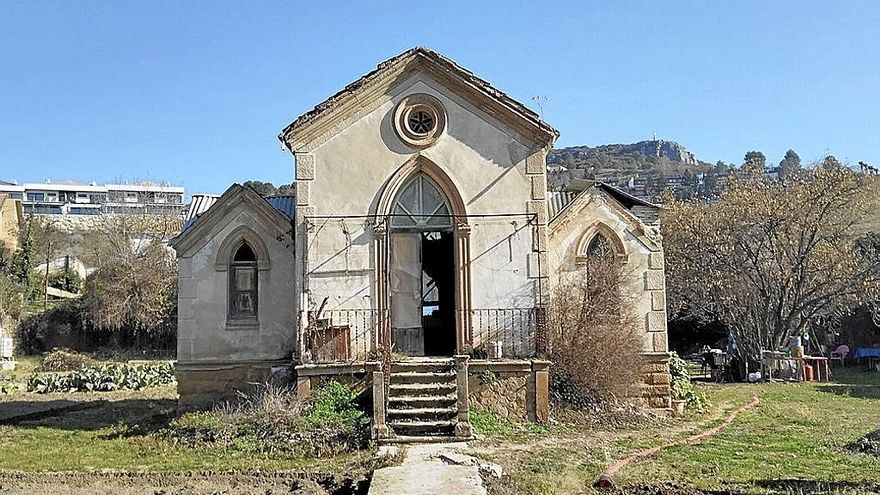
{"points": [[421, 203], [243, 284], [599, 246]]}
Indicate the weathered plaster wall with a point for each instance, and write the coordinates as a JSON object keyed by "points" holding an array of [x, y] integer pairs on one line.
{"points": [[205, 339], [643, 255], [494, 170]]}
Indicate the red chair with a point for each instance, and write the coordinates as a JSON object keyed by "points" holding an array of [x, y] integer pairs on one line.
{"points": [[840, 354]]}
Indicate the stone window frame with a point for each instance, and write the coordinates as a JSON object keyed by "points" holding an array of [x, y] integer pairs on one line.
{"points": [[224, 262], [412, 104], [618, 247], [236, 268]]}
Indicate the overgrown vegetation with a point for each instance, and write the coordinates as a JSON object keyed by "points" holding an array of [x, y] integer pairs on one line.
{"points": [[681, 386], [129, 301], [770, 259], [272, 419], [795, 441], [596, 342], [65, 360], [103, 378], [488, 423]]}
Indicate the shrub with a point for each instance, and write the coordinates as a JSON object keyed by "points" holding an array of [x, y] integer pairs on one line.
{"points": [[596, 342], [103, 378], [273, 419], [66, 280], [682, 388], [65, 360]]}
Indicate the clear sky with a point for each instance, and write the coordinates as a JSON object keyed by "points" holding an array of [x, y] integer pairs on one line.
{"points": [[196, 92]]}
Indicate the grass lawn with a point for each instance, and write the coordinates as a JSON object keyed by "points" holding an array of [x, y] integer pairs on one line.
{"points": [[118, 433], [796, 433], [792, 442]]}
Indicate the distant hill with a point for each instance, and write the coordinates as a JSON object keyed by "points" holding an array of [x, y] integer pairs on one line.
{"points": [[646, 162]]}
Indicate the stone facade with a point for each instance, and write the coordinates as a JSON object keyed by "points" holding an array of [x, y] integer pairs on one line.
{"points": [[353, 163], [201, 385], [655, 390], [208, 340], [512, 390], [636, 244]]}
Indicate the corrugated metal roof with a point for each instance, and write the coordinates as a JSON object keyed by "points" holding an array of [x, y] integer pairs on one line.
{"points": [[200, 204], [285, 204], [559, 200]]}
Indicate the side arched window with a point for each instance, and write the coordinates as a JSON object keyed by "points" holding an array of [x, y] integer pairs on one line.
{"points": [[243, 295]]}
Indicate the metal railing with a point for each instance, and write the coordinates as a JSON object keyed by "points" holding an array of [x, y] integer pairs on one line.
{"points": [[516, 329], [342, 335]]}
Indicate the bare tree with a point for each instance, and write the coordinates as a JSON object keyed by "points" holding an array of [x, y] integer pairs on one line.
{"points": [[767, 258], [134, 285], [596, 345]]}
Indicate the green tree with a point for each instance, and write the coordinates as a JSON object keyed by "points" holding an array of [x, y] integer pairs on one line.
{"points": [[754, 161], [790, 165]]}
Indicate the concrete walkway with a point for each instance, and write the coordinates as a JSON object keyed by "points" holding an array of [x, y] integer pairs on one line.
{"points": [[430, 469]]}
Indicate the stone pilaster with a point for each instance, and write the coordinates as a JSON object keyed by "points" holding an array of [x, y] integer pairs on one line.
{"points": [[462, 424], [380, 429], [541, 372]]}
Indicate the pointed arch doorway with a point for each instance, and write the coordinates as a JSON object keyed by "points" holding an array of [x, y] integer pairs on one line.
{"points": [[424, 270]]}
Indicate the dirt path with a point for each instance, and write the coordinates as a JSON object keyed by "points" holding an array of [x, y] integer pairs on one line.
{"points": [[178, 484]]}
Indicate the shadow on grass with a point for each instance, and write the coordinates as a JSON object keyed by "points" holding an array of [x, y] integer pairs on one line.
{"points": [[814, 486], [130, 416], [853, 382]]}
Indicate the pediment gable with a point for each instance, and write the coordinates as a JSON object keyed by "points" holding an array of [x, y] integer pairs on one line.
{"points": [[234, 200], [314, 125]]}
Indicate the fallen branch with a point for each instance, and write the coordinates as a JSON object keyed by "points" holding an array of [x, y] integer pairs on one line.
{"points": [[606, 478]]}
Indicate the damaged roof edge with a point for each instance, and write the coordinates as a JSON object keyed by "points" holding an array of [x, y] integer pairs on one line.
{"points": [[439, 59]]}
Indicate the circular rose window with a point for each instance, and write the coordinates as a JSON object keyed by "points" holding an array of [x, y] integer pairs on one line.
{"points": [[419, 120]]}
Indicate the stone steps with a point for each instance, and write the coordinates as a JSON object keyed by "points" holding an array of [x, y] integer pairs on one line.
{"points": [[422, 412], [422, 399]]}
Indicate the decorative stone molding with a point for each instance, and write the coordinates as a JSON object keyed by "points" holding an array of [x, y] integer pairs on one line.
{"points": [[231, 244], [539, 186], [305, 167], [617, 244], [658, 300], [303, 190], [654, 280], [656, 321], [660, 343], [539, 209], [655, 261], [419, 120], [536, 163]]}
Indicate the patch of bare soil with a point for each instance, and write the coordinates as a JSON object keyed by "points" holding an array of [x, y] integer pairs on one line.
{"points": [[669, 489], [868, 445], [203, 483]]}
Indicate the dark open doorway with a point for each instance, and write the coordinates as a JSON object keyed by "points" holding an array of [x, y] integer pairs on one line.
{"points": [[438, 293]]}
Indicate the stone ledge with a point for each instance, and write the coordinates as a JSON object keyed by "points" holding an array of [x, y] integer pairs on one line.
{"points": [[501, 365], [336, 368]]}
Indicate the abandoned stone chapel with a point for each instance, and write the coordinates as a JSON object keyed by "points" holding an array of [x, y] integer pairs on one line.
{"points": [[416, 259]]}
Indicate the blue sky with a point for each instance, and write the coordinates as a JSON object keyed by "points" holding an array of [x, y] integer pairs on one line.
{"points": [[195, 92]]}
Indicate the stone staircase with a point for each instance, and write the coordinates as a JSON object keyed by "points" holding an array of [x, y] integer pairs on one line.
{"points": [[423, 400]]}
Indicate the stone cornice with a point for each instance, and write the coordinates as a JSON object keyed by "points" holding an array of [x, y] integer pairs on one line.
{"points": [[365, 94]]}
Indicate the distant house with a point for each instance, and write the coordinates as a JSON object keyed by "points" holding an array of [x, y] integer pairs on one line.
{"points": [[76, 198]]}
